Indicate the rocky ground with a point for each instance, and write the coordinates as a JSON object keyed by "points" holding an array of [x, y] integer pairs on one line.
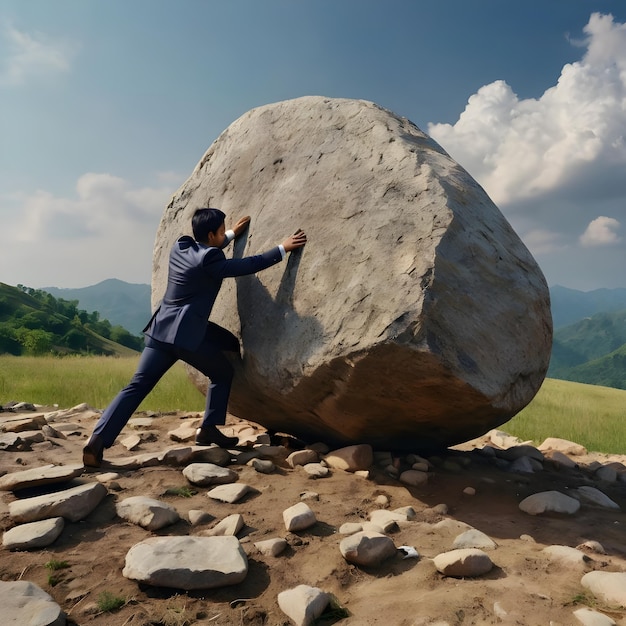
{"points": [[479, 485]]}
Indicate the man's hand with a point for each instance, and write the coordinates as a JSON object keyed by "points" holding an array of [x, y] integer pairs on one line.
{"points": [[297, 240], [241, 225]]}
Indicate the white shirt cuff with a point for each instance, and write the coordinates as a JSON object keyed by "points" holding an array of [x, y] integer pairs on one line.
{"points": [[282, 250], [230, 235]]}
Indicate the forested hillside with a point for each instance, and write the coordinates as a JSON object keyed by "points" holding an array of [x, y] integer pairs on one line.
{"points": [[593, 350], [35, 322]]}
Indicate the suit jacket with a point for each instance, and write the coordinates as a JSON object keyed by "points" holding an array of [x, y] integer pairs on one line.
{"points": [[194, 279]]}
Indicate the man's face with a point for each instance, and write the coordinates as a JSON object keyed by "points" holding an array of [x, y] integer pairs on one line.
{"points": [[217, 238]]}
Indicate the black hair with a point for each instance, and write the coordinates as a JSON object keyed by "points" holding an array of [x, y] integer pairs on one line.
{"points": [[205, 221]]}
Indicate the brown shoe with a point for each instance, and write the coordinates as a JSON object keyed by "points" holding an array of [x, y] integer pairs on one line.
{"points": [[93, 452], [207, 435]]}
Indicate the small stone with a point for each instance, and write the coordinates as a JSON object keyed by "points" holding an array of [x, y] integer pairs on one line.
{"points": [[229, 493], [465, 563], [367, 548], [263, 466], [147, 512], [303, 604], [566, 554], [589, 617], [549, 502], [474, 539], [413, 478], [351, 458], [229, 526], [593, 496], [302, 457], [609, 586], [205, 474], [316, 470], [349, 528], [469, 491], [271, 547], [298, 517], [197, 517]]}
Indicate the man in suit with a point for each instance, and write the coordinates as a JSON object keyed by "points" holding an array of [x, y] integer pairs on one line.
{"points": [[179, 329]]}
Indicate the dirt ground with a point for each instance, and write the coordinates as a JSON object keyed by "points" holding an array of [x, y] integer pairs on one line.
{"points": [[525, 586]]}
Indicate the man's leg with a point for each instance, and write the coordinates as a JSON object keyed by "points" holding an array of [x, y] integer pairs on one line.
{"points": [[214, 364], [154, 362]]}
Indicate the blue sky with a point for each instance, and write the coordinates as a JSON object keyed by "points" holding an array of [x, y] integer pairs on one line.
{"points": [[107, 106]]}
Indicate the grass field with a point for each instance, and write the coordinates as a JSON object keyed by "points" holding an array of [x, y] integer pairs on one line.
{"points": [[96, 380], [587, 414]]}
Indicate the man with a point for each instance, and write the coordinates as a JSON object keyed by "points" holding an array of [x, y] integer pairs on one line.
{"points": [[179, 329]]}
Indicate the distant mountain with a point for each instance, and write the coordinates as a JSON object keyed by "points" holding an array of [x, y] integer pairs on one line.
{"points": [[571, 305], [124, 304]]}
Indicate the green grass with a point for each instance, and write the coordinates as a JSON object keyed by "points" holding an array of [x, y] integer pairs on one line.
{"points": [[108, 601], [96, 380], [590, 415]]}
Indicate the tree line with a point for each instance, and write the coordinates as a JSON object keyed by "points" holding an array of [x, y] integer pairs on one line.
{"points": [[33, 321]]}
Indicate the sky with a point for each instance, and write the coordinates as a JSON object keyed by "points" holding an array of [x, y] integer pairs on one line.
{"points": [[106, 106]]}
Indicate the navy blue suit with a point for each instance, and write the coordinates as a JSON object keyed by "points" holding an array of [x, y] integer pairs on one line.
{"points": [[179, 329]]}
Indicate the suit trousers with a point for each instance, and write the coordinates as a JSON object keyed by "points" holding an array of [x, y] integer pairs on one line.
{"points": [[156, 359]]}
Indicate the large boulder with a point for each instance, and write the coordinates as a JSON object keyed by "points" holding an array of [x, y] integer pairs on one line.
{"points": [[414, 318]]}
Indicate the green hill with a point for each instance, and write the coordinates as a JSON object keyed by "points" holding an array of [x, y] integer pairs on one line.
{"points": [[126, 304], [592, 351], [35, 322]]}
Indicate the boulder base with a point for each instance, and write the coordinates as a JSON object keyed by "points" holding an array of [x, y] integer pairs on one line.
{"points": [[415, 318]]}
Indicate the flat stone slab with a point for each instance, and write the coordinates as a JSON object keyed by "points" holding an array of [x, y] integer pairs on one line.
{"points": [[25, 604], [463, 563], [37, 476], [73, 504], [33, 535], [147, 512], [549, 502], [187, 562], [229, 493], [204, 474]]}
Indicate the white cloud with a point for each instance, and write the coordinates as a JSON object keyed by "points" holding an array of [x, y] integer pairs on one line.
{"points": [[32, 55], [601, 232], [540, 241], [106, 230], [520, 149]]}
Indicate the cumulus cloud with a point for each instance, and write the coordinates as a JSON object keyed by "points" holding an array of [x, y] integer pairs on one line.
{"points": [[31, 55], [105, 230], [553, 164], [601, 232], [520, 149]]}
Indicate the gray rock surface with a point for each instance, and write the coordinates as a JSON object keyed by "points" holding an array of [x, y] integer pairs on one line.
{"points": [[147, 512], [414, 318], [73, 504], [33, 535], [549, 502], [36, 476], [209, 474], [25, 604], [608, 586], [303, 604], [187, 562], [367, 548], [463, 563]]}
